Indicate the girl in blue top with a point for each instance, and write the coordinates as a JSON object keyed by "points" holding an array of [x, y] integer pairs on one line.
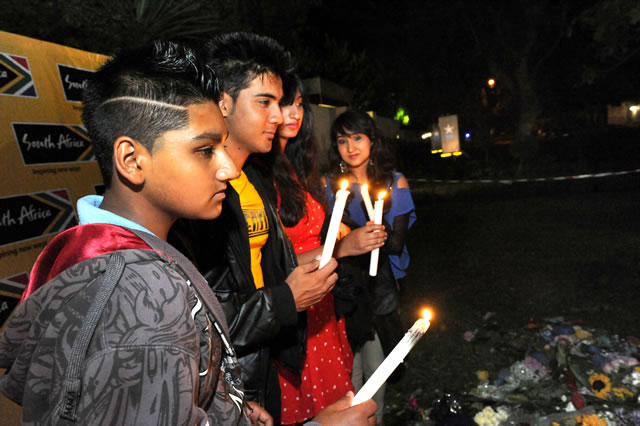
{"points": [[358, 153]]}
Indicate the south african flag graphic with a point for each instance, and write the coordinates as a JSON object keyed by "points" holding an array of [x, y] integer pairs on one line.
{"points": [[11, 289], [15, 76]]}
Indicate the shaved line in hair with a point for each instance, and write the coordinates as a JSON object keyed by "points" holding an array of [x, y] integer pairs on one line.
{"points": [[144, 101]]}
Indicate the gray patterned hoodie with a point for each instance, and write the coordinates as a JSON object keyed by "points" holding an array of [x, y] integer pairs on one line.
{"points": [[123, 338]]}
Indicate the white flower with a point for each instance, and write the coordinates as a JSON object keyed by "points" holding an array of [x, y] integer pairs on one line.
{"points": [[632, 379], [609, 417], [489, 417], [502, 414]]}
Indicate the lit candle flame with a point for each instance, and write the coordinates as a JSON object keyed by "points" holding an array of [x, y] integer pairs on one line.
{"points": [[365, 187], [422, 324], [344, 184], [382, 194], [426, 314]]}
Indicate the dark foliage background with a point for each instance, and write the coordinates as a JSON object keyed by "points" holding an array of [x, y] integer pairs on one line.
{"points": [[431, 57]]}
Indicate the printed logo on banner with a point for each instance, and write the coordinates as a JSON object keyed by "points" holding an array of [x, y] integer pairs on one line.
{"points": [[11, 289], [27, 216], [73, 81], [52, 143], [15, 76]]}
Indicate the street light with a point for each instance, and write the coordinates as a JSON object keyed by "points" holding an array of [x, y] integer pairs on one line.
{"points": [[491, 82]]}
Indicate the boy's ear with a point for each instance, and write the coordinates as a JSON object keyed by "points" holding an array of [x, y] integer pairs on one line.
{"points": [[226, 104], [129, 159]]}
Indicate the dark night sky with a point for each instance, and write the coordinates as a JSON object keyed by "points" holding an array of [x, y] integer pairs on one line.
{"points": [[436, 55], [430, 57]]}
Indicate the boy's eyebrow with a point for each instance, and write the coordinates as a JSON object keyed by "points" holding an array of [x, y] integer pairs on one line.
{"points": [[266, 95], [216, 137]]}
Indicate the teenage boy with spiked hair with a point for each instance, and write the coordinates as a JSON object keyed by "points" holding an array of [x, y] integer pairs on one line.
{"points": [[126, 331], [254, 272]]}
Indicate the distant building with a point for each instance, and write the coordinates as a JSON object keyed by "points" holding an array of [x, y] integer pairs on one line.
{"points": [[626, 114], [329, 100], [324, 92]]}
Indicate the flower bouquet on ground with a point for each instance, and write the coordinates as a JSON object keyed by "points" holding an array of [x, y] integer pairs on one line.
{"points": [[570, 375]]}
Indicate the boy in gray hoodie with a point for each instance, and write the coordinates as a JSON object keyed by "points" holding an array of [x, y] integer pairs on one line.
{"points": [[126, 331]]}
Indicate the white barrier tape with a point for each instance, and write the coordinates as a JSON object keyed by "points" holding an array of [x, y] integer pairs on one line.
{"points": [[544, 179]]}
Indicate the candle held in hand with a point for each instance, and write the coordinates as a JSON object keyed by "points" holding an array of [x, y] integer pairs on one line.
{"points": [[334, 223], [394, 359], [377, 219], [364, 191]]}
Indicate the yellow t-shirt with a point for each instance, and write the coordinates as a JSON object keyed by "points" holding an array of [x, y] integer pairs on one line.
{"points": [[257, 223]]}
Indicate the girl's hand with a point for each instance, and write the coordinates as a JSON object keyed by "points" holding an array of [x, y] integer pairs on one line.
{"points": [[361, 240]]}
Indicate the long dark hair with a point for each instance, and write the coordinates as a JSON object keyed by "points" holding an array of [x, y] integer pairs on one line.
{"points": [[380, 167], [297, 170]]}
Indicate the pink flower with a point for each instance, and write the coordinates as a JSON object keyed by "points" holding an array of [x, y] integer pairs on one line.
{"points": [[614, 365], [469, 335], [536, 367], [413, 403]]}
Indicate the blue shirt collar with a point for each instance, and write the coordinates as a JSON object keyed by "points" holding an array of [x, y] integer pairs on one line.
{"points": [[89, 211]]}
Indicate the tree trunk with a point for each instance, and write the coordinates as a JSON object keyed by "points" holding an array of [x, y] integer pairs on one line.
{"points": [[524, 144]]}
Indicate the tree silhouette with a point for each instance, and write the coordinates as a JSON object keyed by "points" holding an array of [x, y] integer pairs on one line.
{"points": [[103, 27]]}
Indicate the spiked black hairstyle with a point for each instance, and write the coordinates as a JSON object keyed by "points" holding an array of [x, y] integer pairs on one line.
{"points": [[139, 93], [240, 57]]}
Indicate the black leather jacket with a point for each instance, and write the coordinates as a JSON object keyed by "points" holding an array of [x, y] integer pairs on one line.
{"points": [[263, 323]]}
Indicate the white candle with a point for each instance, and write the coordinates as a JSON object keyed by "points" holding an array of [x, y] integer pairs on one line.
{"points": [[334, 223], [364, 191], [394, 359], [377, 219]]}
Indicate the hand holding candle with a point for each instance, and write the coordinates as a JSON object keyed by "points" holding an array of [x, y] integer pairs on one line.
{"points": [[364, 191], [394, 359], [334, 223], [377, 219]]}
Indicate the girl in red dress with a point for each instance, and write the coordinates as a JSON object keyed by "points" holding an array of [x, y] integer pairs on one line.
{"points": [[326, 374]]}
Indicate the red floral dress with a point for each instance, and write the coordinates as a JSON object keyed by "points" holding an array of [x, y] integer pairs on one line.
{"points": [[326, 375]]}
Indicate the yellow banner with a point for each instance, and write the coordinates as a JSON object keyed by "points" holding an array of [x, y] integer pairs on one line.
{"points": [[46, 158]]}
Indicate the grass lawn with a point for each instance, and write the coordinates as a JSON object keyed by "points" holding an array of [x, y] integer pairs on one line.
{"points": [[522, 253]]}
